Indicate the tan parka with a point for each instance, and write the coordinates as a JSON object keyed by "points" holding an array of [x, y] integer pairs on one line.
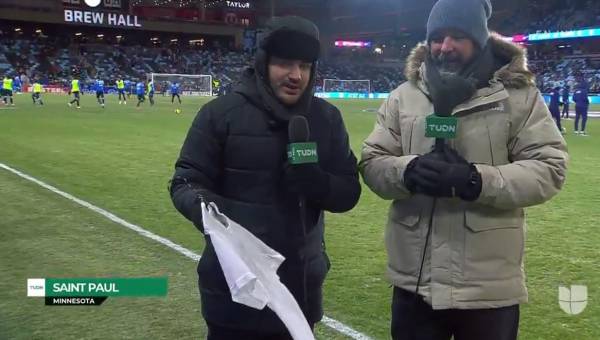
{"points": [[475, 255]]}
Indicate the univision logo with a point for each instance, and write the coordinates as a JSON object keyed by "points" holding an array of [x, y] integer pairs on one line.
{"points": [[572, 300], [93, 3]]}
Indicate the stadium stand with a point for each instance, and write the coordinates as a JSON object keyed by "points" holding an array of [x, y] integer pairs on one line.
{"points": [[53, 63], [52, 58]]}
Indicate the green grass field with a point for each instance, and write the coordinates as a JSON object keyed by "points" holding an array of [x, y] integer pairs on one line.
{"points": [[120, 159]]}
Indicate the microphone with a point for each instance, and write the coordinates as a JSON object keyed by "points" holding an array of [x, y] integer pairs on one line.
{"points": [[298, 130], [440, 127], [299, 150]]}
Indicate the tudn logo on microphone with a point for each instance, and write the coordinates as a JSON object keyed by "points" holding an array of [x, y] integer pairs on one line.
{"points": [[440, 127], [301, 153], [572, 300]]}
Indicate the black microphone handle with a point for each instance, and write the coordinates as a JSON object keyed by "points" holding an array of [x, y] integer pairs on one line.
{"points": [[440, 145], [302, 211]]}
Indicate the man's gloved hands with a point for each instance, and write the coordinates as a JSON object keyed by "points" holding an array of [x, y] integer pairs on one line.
{"points": [[308, 180], [443, 174]]}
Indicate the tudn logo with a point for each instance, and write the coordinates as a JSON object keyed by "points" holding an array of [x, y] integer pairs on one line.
{"points": [[572, 301], [93, 3]]}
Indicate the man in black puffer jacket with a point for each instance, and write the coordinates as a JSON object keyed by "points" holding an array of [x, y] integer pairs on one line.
{"points": [[235, 155]]}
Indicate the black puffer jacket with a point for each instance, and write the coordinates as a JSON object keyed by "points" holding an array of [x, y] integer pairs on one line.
{"points": [[235, 153]]}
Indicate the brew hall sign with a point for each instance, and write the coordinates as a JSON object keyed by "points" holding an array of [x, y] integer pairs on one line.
{"points": [[100, 13]]}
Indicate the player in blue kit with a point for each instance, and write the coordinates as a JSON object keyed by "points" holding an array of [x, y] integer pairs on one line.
{"points": [[175, 92], [17, 85], [140, 91], [554, 107], [582, 104], [99, 88], [565, 102], [128, 87]]}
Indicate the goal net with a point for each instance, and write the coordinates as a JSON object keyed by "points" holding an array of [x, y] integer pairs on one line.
{"points": [[344, 85], [189, 84]]}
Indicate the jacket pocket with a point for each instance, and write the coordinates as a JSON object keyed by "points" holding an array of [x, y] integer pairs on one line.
{"points": [[494, 243], [316, 270], [404, 237], [498, 127], [413, 136], [211, 279], [406, 131]]}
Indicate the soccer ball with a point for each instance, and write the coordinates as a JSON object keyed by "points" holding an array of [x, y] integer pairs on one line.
{"points": [[177, 111]]}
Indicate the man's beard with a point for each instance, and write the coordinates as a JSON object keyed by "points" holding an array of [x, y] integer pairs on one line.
{"points": [[450, 64]]}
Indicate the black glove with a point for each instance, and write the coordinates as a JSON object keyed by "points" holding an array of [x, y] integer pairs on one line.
{"points": [[443, 174], [420, 180], [446, 91], [207, 197], [308, 180]]}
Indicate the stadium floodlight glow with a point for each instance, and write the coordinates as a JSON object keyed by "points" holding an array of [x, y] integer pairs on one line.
{"points": [[586, 33], [346, 43], [93, 3]]}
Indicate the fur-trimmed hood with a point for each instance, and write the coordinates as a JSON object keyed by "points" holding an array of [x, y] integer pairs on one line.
{"points": [[514, 73]]}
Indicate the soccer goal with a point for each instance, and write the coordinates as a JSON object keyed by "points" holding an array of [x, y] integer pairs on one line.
{"points": [[190, 84], [345, 85]]}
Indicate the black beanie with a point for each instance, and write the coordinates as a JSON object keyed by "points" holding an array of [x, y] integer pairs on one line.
{"points": [[467, 16], [292, 37]]}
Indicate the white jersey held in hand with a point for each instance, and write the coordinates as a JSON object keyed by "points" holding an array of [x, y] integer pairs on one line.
{"points": [[250, 269]]}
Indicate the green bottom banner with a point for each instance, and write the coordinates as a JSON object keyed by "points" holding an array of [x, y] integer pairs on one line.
{"points": [[93, 291], [132, 287]]}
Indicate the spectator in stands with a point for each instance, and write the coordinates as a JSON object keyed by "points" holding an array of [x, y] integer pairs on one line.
{"points": [[235, 155], [455, 236]]}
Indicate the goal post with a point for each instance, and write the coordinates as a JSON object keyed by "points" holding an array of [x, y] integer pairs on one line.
{"points": [[347, 85], [190, 84]]}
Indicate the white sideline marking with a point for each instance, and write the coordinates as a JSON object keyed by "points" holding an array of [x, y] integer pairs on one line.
{"points": [[342, 328], [331, 323]]}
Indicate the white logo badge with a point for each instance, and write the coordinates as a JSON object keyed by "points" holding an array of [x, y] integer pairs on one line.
{"points": [[572, 301], [93, 3], [36, 287]]}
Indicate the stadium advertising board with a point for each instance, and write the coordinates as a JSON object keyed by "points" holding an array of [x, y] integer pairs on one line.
{"points": [[99, 13], [346, 43], [586, 33], [238, 4]]}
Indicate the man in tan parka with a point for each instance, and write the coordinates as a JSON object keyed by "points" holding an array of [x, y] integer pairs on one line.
{"points": [[456, 228]]}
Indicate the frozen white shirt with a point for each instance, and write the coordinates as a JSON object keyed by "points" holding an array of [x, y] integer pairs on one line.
{"points": [[250, 268]]}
